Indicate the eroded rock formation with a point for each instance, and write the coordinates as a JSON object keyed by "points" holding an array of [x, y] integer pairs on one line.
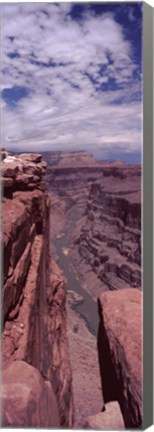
{"points": [[33, 296]]}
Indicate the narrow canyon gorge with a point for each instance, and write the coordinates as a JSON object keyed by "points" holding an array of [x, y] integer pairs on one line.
{"points": [[71, 294]]}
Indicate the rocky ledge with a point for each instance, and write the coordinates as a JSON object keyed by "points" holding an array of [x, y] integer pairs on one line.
{"points": [[36, 372], [22, 172]]}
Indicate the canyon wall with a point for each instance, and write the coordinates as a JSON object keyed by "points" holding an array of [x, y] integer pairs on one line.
{"points": [[104, 202], [35, 359], [110, 239], [98, 207]]}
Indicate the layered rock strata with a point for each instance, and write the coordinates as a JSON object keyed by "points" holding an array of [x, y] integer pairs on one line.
{"points": [[101, 202], [98, 207], [33, 298], [109, 241]]}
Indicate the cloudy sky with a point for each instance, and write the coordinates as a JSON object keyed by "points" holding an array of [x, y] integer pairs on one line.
{"points": [[72, 78]]}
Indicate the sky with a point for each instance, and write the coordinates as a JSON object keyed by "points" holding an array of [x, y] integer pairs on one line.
{"points": [[72, 78]]}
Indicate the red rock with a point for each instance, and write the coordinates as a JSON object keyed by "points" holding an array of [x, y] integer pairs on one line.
{"points": [[24, 179], [20, 243], [7, 182], [110, 419], [31, 169], [36, 332], [22, 172], [120, 352], [28, 400], [11, 169], [31, 157], [14, 285], [14, 218]]}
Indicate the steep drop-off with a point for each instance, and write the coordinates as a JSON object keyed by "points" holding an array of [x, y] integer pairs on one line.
{"points": [[109, 241], [35, 356], [96, 235], [89, 225], [99, 204]]}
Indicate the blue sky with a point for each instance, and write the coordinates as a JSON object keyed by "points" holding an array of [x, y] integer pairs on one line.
{"points": [[72, 78]]}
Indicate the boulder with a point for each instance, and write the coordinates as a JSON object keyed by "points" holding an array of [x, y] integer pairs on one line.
{"points": [[120, 351], [110, 419], [28, 399]]}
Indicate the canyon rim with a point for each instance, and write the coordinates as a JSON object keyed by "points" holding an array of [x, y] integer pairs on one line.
{"points": [[71, 232]]}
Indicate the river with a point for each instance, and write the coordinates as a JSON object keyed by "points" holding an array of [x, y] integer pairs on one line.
{"points": [[87, 309]]}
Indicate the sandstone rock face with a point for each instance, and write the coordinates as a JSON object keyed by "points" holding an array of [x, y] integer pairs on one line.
{"points": [[28, 399], [120, 352], [33, 295]]}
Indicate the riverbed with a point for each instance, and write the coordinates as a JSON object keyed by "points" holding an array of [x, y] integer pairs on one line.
{"points": [[87, 309]]}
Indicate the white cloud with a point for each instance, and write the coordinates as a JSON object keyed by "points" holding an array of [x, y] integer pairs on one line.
{"points": [[64, 107]]}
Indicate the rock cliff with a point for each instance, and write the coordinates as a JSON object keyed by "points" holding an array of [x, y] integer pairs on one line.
{"points": [[97, 207], [120, 352], [110, 238], [94, 210], [101, 201], [35, 358]]}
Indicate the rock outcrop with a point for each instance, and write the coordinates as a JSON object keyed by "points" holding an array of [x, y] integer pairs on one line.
{"points": [[33, 296], [28, 399], [120, 352]]}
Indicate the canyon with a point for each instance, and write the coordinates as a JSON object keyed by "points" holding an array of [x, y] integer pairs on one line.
{"points": [[72, 297], [99, 204]]}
